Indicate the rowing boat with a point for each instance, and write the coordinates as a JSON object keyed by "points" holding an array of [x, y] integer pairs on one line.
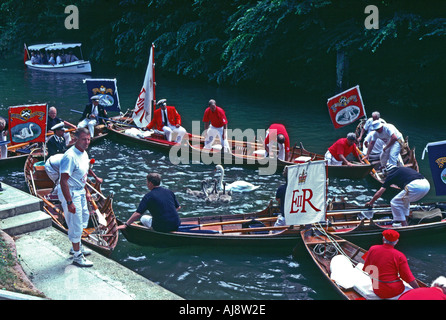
{"points": [[341, 262], [249, 229], [17, 154], [103, 238], [259, 228]]}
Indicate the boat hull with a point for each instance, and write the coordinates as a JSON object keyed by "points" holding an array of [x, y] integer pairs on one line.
{"points": [[72, 67]]}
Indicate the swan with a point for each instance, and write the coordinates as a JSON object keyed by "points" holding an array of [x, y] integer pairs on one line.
{"points": [[237, 186], [25, 132], [213, 196], [225, 197], [198, 193]]}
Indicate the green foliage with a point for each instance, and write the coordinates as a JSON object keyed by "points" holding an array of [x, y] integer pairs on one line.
{"points": [[281, 42]]}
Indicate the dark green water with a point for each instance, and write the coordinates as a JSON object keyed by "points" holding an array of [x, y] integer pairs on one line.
{"points": [[221, 273]]}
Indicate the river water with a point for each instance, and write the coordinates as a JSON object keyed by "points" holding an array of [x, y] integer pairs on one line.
{"points": [[221, 273]]}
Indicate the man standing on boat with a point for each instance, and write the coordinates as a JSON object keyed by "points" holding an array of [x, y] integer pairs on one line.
{"points": [[93, 114], [162, 205], [413, 185], [388, 267], [393, 140], [337, 154], [215, 124], [167, 119], [367, 127], [282, 139], [74, 167]]}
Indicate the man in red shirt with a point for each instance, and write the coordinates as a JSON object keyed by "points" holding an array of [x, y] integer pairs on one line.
{"points": [[388, 267], [167, 119], [215, 124], [282, 139], [437, 291], [337, 153]]}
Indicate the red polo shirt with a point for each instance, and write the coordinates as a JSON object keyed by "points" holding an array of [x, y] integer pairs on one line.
{"points": [[389, 262], [217, 118], [431, 293], [341, 147], [280, 130]]}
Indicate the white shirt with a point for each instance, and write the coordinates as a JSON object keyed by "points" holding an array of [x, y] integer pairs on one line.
{"points": [[76, 164], [386, 134]]}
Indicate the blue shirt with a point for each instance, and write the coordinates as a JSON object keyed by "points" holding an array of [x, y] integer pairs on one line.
{"points": [[280, 194], [162, 205]]}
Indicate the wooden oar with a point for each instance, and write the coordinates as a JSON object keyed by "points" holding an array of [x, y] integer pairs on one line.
{"points": [[101, 217], [367, 161], [223, 223], [244, 230]]}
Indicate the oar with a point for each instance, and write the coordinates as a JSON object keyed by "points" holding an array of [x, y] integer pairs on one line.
{"points": [[244, 230], [222, 223], [101, 217], [367, 161]]}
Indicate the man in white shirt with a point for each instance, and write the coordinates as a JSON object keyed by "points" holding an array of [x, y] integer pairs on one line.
{"points": [[74, 167], [393, 140]]}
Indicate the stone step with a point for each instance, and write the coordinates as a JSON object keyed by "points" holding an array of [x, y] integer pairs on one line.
{"points": [[26, 222], [14, 202]]}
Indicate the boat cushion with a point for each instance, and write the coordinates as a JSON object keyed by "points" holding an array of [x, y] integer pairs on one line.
{"points": [[302, 159]]}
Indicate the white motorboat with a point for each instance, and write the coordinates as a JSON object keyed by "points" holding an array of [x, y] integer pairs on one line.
{"points": [[77, 65]]}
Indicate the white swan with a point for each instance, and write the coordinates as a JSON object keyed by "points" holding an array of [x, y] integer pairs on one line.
{"points": [[237, 186], [25, 132]]}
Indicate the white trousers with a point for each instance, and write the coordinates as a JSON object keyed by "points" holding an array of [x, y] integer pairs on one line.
{"points": [[331, 160], [413, 191], [90, 123], [169, 131], [211, 134], [76, 221], [391, 155], [4, 148]]}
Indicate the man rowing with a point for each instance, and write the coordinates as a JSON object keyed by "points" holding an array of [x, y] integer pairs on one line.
{"points": [[337, 154]]}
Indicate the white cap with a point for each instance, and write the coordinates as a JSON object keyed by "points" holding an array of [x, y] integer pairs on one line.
{"points": [[376, 124]]}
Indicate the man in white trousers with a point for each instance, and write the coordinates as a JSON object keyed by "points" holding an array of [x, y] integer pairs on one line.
{"points": [[413, 187]]}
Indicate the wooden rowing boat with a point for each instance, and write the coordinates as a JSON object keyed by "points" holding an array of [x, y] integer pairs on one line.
{"points": [[250, 229], [258, 228], [101, 238], [18, 153], [340, 261], [354, 223]]}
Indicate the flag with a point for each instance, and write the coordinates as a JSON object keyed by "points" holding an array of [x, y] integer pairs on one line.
{"points": [[346, 107], [107, 89], [306, 193], [437, 163], [142, 114], [27, 123]]}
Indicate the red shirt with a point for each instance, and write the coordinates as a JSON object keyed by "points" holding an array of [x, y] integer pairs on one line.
{"points": [[431, 293], [389, 263], [280, 130], [341, 147], [217, 118], [172, 115]]}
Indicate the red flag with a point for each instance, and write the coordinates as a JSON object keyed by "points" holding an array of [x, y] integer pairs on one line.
{"points": [[27, 123], [346, 107]]}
